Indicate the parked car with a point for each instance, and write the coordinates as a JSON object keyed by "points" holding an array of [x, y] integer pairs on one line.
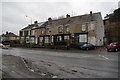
{"points": [[6, 44], [1, 44], [115, 46], [88, 46]]}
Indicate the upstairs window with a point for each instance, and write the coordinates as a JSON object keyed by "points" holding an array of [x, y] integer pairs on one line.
{"points": [[47, 30], [67, 28], [42, 32], [60, 29], [29, 32], [83, 27], [33, 32]]}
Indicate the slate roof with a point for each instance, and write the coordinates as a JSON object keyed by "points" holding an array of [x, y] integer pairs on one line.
{"points": [[10, 34], [74, 20]]}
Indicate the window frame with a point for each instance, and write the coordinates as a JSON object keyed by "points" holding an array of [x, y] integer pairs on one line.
{"points": [[83, 27]]}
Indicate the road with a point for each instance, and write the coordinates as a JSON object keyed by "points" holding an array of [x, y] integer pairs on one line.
{"points": [[71, 63]]}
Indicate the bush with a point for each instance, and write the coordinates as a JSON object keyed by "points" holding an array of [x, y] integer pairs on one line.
{"points": [[76, 45], [61, 43]]}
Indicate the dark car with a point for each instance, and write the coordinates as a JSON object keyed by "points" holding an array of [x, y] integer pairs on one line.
{"points": [[88, 46], [115, 46]]}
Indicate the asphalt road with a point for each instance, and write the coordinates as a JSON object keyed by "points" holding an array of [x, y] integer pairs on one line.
{"points": [[78, 64]]}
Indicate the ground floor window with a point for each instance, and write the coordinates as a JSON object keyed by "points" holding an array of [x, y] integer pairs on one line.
{"points": [[41, 39], [27, 39], [67, 37], [83, 38], [22, 38], [46, 39], [59, 38], [32, 39]]}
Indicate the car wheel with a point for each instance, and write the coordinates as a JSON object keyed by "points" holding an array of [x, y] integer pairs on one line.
{"points": [[108, 50], [87, 48], [116, 49]]}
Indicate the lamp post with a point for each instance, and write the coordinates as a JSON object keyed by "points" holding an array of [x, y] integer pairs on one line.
{"points": [[30, 18]]}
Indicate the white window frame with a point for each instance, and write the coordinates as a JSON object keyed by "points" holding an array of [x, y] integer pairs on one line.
{"points": [[68, 28], [27, 40], [66, 37], [42, 32], [41, 39], [29, 32], [32, 39], [33, 32], [83, 38], [46, 39], [83, 27], [60, 29]]}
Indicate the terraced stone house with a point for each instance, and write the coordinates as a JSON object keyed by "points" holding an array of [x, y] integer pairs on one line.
{"points": [[88, 28]]}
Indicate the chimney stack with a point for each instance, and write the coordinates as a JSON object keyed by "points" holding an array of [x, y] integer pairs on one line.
{"points": [[35, 22], [91, 13], [49, 20], [68, 17], [7, 32]]}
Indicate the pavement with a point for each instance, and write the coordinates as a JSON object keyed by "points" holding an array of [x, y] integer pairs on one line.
{"points": [[51, 63]]}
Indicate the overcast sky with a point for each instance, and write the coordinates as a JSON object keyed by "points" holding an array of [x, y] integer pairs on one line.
{"points": [[14, 12]]}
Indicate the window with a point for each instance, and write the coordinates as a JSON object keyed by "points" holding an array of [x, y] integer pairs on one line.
{"points": [[47, 30], [67, 28], [33, 32], [42, 32], [59, 38], [27, 39], [83, 27], [60, 29], [29, 32], [32, 40], [41, 39], [66, 37], [83, 38], [22, 38], [46, 39]]}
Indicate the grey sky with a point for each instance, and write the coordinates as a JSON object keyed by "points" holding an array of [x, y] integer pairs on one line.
{"points": [[14, 12]]}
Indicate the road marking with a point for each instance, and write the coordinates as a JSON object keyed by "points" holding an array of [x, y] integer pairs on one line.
{"points": [[104, 57]]}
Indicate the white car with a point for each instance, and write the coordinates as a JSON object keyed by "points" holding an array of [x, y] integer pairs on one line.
{"points": [[1, 45]]}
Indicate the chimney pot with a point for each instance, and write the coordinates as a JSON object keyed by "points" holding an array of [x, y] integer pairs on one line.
{"points": [[35, 22], [67, 15], [7, 32], [90, 13], [49, 20]]}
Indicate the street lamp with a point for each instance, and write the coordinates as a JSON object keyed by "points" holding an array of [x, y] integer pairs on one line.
{"points": [[30, 18]]}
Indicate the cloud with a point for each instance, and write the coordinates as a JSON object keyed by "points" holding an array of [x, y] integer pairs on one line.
{"points": [[13, 13]]}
